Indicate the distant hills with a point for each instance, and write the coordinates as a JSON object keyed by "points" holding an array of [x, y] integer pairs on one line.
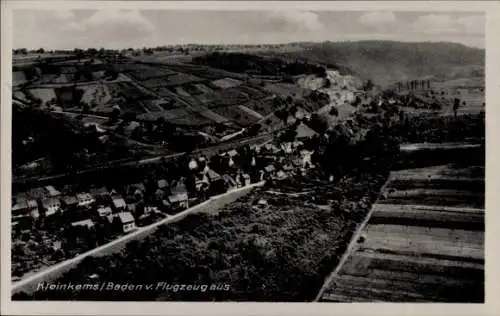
{"points": [[385, 62]]}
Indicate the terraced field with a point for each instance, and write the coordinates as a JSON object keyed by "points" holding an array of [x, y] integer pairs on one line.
{"points": [[423, 242], [44, 94], [176, 116]]}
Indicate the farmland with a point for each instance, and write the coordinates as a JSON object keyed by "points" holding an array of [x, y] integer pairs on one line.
{"points": [[424, 241]]}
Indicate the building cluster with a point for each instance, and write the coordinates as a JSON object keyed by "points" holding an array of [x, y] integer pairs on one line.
{"points": [[141, 203]]}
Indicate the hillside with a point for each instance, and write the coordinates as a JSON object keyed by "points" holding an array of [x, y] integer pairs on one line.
{"points": [[385, 62]]}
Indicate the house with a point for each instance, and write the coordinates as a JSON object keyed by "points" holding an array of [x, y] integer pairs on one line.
{"points": [[243, 179], [179, 200], [247, 178], [99, 192], [148, 210], [193, 164], [37, 193], [159, 194], [126, 221], [104, 211], [281, 175], [212, 175], [162, 184], [202, 183], [272, 148], [85, 223], [291, 119], [270, 169], [33, 208], [132, 189], [20, 210], [119, 203], [230, 181], [232, 153], [300, 113], [51, 206], [111, 219], [306, 156], [51, 191], [304, 132], [20, 196], [85, 199], [69, 202]]}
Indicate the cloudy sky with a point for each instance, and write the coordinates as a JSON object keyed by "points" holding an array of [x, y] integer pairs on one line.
{"points": [[138, 28]]}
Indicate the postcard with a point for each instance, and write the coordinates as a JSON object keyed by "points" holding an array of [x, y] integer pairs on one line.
{"points": [[249, 157]]}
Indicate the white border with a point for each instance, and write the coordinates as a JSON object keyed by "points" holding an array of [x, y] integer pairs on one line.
{"points": [[491, 307]]}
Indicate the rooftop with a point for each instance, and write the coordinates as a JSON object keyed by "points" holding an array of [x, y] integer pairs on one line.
{"points": [[69, 200], [162, 183], [50, 202], [304, 131], [84, 196], [119, 202], [99, 191], [125, 217], [178, 197], [85, 222], [270, 168], [104, 211]]}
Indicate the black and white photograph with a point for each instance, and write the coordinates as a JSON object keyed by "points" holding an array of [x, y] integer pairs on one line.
{"points": [[246, 155]]}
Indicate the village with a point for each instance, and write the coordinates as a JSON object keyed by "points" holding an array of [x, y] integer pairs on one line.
{"points": [[52, 224]]}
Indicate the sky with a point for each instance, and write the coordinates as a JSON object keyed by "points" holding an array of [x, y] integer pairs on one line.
{"points": [[116, 29]]}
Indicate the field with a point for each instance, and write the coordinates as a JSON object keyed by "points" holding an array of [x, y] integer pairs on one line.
{"points": [[18, 78], [237, 115], [284, 89], [176, 116], [226, 83], [44, 94], [98, 94], [423, 242], [263, 107]]}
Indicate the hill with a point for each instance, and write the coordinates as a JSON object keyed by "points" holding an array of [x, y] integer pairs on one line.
{"points": [[385, 62]]}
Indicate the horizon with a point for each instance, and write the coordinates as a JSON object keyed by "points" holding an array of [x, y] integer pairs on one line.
{"points": [[134, 28], [251, 45]]}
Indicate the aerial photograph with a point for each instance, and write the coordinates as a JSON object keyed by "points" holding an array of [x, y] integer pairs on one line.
{"points": [[248, 156]]}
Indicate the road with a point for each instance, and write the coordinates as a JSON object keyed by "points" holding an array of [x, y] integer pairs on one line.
{"points": [[423, 146]]}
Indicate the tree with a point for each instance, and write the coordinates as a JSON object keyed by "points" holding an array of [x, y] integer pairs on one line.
{"points": [[289, 135], [368, 85], [318, 123], [115, 113], [327, 83], [334, 111]]}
